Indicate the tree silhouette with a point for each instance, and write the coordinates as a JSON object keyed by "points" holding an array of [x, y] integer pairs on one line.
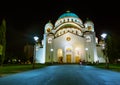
{"points": [[3, 40], [111, 50]]}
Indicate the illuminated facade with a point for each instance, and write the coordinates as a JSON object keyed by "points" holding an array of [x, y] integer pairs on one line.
{"points": [[69, 40]]}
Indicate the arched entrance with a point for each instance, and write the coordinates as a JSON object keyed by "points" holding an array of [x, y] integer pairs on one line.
{"points": [[77, 55], [60, 55], [68, 55]]}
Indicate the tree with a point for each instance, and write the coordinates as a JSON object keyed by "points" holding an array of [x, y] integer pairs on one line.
{"points": [[111, 51], [115, 49], [3, 40]]}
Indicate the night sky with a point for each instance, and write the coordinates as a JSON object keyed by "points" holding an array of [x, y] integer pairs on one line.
{"points": [[24, 21]]}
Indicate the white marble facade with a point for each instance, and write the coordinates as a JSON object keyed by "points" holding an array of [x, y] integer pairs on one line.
{"points": [[69, 40]]}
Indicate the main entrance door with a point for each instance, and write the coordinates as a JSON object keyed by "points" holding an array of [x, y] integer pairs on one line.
{"points": [[77, 59], [68, 54], [68, 58]]}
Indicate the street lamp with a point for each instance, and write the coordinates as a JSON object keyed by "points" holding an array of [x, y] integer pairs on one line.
{"points": [[36, 38], [51, 49], [51, 55], [103, 35], [86, 49], [103, 47]]}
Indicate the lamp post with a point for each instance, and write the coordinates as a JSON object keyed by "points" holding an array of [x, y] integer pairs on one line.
{"points": [[86, 49], [103, 47], [103, 35], [51, 55], [51, 49], [36, 40]]}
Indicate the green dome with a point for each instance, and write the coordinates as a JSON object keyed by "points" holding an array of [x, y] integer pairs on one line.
{"points": [[68, 14]]}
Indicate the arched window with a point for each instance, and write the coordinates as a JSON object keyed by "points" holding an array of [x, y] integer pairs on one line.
{"points": [[76, 32], [59, 53], [72, 20], [75, 20], [88, 39], [60, 22], [49, 40], [68, 20], [64, 20]]}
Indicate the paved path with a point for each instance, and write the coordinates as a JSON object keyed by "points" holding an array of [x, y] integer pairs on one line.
{"points": [[63, 75]]}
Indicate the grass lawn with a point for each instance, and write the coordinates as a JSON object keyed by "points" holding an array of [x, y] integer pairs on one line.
{"points": [[11, 69], [113, 67]]}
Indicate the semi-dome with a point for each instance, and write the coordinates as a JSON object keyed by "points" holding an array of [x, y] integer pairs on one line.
{"points": [[68, 14]]}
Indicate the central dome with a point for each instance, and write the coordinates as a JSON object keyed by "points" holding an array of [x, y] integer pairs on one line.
{"points": [[68, 14]]}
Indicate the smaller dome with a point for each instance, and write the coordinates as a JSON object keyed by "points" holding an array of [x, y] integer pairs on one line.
{"points": [[48, 27], [68, 14], [88, 21], [89, 25], [49, 24]]}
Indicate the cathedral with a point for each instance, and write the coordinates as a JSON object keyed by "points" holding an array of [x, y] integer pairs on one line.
{"points": [[69, 40]]}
